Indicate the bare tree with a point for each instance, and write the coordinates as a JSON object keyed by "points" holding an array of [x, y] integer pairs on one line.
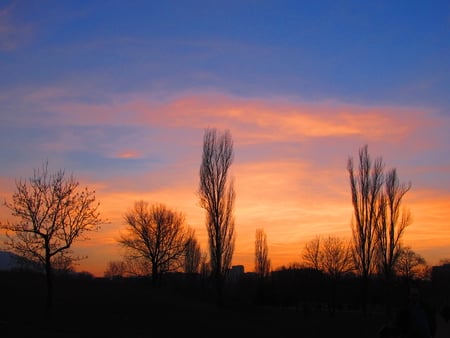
{"points": [[262, 261], [192, 257], [311, 254], [336, 261], [410, 264], [136, 266], [365, 184], [51, 214], [217, 197], [155, 237], [333, 256], [129, 266], [392, 222], [115, 269]]}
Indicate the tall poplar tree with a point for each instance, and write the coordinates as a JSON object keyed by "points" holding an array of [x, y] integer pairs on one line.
{"points": [[217, 197], [365, 182]]}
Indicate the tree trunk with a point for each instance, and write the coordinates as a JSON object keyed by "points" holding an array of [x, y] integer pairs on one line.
{"points": [[49, 294], [219, 290], [364, 294], [388, 295]]}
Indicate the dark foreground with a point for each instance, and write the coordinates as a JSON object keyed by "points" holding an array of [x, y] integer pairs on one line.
{"points": [[102, 308]]}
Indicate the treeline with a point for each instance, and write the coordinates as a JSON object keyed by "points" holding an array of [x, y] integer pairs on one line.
{"points": [[51, 212]]}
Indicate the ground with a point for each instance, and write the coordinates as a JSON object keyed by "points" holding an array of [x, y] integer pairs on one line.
{"points": [[103, 309]]}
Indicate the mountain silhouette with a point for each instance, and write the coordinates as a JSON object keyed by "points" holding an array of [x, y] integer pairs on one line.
{"points": [[10, 261], [7, 260]]}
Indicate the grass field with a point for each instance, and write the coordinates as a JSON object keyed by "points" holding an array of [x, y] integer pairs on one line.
{"points": [[85, 307], [105, 309]]}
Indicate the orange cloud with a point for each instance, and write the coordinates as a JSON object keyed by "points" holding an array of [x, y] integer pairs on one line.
{"points": [[223, 111], [128, 154]]}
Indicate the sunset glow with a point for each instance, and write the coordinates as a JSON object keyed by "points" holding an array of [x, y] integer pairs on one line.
{"points": [[124, 109]]}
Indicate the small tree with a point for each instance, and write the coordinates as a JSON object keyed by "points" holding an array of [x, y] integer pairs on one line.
{"points": [[337, 257], [336, 261], [311, 254], [333, 256], [156, 237], [51, 214], [115, 269], [192, 256], [410, 264], [262, 261]]}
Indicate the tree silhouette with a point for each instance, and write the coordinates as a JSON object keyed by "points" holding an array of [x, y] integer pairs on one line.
{"points": [[155, 237], [115, 269], [336, 261], [365, 184], [51, 214], [311, 254], [332, 256], [217, 198], [192, 256], [262, 261], [392, 222], [409, 264]]}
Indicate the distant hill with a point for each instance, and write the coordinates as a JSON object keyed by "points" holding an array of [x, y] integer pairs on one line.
{"points": [[11, 261], [7, 261]]}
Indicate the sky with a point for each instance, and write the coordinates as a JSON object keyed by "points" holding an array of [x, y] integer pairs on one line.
{"points": [[120, 93]]}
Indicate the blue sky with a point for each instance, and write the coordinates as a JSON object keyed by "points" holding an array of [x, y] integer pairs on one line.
{"points": [[377, 52], [119, 93]]}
